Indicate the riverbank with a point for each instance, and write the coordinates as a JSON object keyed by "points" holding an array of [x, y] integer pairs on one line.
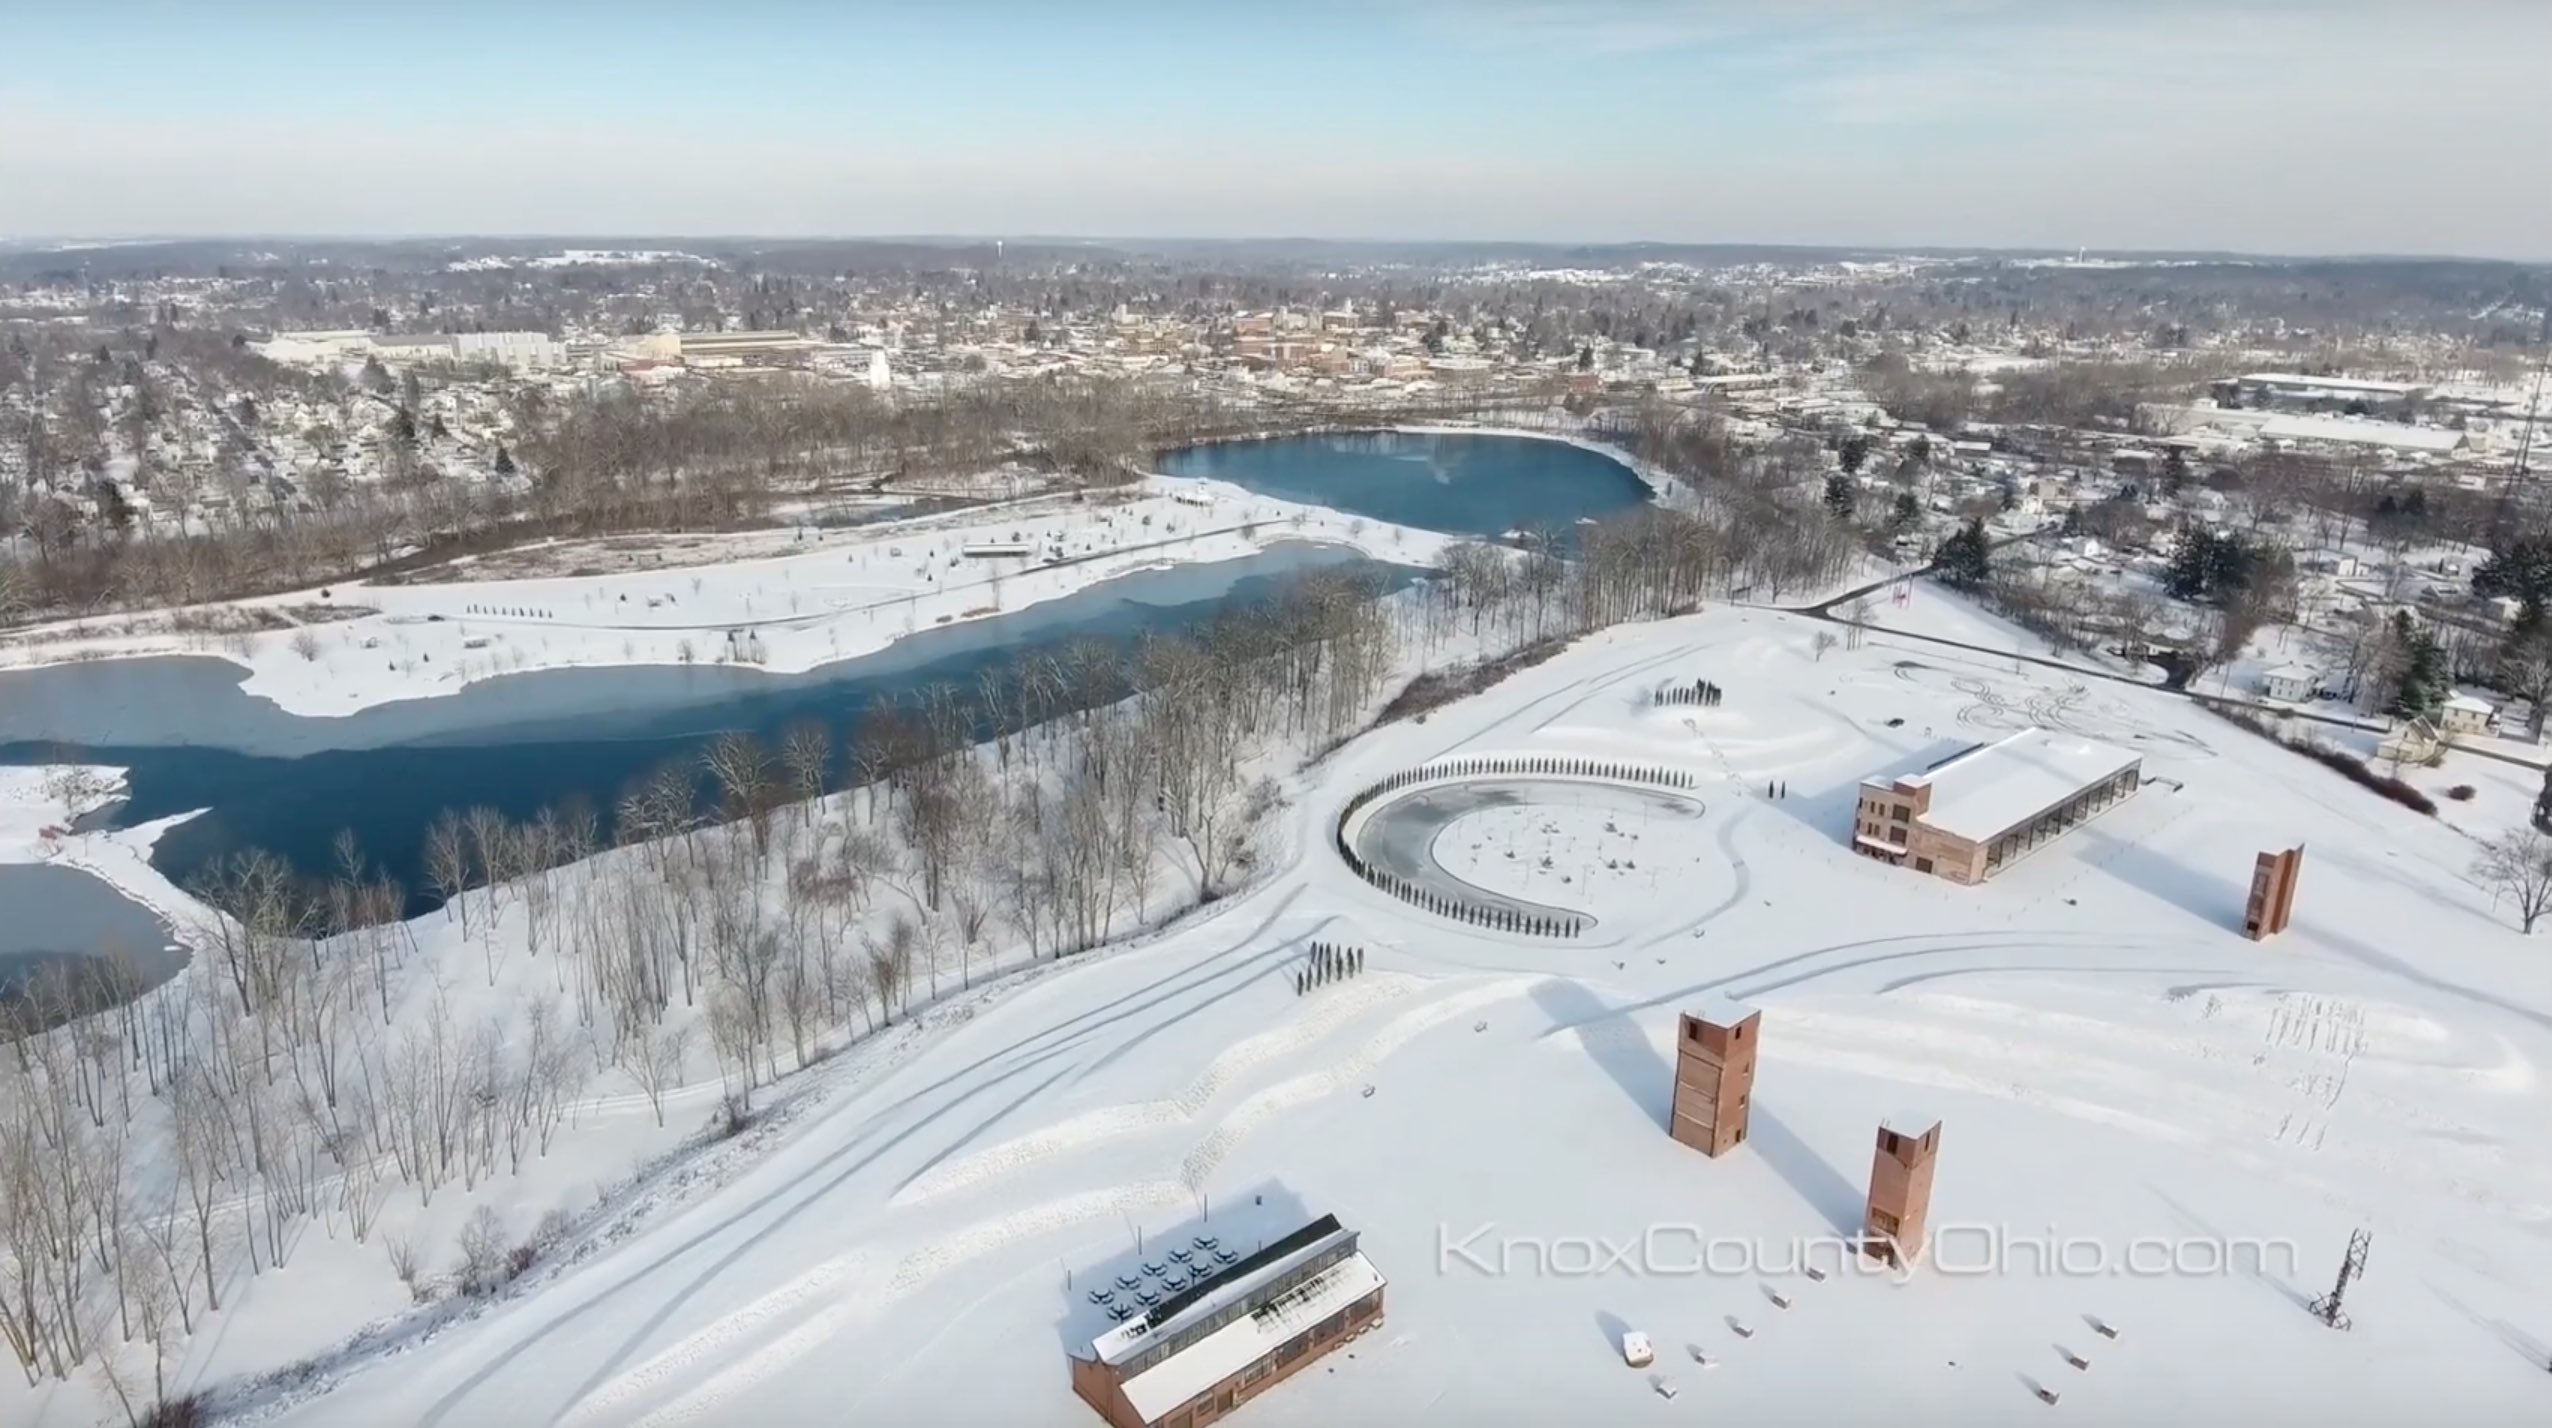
{"points": [[339, 650]]}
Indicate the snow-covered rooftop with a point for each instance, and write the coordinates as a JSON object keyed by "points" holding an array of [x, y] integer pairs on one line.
{"points": [[1249, 1338], [1986, 791], [1720, 1009], [2332, 384], [1244, 1279]]}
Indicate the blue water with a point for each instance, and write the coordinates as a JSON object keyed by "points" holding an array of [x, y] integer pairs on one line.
{"points": [[192, 740], [75, 939], [1459, 483], [270, 780]]}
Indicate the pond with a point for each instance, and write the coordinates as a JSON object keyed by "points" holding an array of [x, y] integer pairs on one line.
{"points": [[1461, 483], [190, 739], [70, 943]]}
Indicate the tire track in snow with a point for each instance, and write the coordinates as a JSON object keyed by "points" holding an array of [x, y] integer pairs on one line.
{"points": [[948, 1175], [1350, 1070], [603, 1403]]}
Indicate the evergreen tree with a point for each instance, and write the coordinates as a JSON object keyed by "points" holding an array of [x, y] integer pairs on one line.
{"points": [[1966, 558], [2175, 471], [2543, 804], [1851, 452], [2192, 557], [1840, 497], [2421, 690], [504, 462], [2522, 569], [1906, 511]]}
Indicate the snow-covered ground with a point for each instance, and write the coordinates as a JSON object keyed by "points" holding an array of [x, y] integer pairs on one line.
{"points": [[2122, 1079], [357, 645]]}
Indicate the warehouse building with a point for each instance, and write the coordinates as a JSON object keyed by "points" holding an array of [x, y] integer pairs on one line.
{"points": [[1974, 814], [1238, 1325]]}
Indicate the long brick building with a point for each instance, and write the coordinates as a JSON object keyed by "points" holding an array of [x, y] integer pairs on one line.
{"points": [[1972, 815], [1238, 1330]]}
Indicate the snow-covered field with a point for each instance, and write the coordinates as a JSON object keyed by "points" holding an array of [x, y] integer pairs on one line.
{"points": [[2116, 1069], [357, 645]]}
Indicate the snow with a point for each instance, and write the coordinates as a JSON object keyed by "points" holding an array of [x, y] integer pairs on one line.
{"points": [[2113, 1065], [1251, 1337], [1988, 791], [783, 606]]}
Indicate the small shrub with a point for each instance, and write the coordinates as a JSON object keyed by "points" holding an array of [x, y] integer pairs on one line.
{"points": [[486, 1262], [2461, 793], [2339, 761], [403, 1262], [732, 1118]]}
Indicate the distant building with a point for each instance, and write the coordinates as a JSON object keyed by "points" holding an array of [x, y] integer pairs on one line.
{"points": [[519, 351], [712, 350], [2295, 389], [1970, 816], [1207, 1349], [2465, 714], [2289, 683]]}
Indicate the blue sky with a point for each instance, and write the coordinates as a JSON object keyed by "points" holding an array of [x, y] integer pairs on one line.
{"points": [[2285, 125]]}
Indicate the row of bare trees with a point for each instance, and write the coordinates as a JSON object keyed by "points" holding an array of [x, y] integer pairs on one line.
{"points": [[767, 903]]}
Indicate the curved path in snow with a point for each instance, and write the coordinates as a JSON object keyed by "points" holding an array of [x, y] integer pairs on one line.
{"points": [[1399, 838]]}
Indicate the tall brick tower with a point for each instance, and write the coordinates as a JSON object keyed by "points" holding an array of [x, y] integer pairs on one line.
{"points": [[1714, 1075], [1901, 1189], [2272, 899]]}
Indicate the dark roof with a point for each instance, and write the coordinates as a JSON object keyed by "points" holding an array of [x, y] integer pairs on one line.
{"points": [[1275, 1250]]}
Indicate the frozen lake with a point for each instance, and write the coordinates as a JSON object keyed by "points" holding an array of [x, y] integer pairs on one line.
{"points": [[1462, 483], [190, 739]]}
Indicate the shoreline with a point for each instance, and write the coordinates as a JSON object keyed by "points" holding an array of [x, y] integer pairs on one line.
{"points": [[787, 615], [301, 658]]}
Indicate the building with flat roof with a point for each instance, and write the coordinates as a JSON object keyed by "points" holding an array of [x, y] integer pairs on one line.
{"points": [[1240, 1325], [1971, 815]]}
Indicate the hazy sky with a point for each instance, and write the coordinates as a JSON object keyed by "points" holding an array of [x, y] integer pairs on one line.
{"points": [[2311, 126]]}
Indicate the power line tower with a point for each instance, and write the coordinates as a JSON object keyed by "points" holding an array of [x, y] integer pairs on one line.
{"points": [[2329, 1308]]}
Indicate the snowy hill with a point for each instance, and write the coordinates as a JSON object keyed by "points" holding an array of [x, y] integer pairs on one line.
{"points": [[2150, 1123]]}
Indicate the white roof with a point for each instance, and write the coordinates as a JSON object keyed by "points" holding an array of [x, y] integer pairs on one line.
{"points": [[2470, 704], [2289, 671], [1720, 1009], [1131, 1337], [1909, 1122], [1160, 1389], [1985, 792], [2331, 384]]}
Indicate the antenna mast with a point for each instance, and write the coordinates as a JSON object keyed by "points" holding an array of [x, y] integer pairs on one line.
{"points": [[2328, 1308]]}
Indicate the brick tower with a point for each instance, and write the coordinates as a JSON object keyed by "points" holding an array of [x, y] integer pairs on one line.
{"points": [[2272, 899], [1714, 1075], [1901, 1189]]}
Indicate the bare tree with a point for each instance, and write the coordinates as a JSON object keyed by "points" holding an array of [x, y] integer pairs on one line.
{"points": [[447, 865], [742, 769], [806, 751], [2517, 865], [657, 1066]]}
